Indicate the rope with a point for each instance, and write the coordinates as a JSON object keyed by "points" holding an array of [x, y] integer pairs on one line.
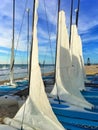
{"points": [[30, 61], [48, 31], [15, 54], [21, 27], [23, 116]]}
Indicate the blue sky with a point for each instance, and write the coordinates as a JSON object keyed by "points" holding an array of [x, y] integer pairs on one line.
{"points": [[88, 29]]}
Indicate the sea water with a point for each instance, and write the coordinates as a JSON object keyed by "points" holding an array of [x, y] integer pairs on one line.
{"points": [[20, 71]]}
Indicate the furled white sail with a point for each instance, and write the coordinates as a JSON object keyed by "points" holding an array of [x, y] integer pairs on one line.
{"points": [[6, 127], [11, 75], [36, 113], [11, 64], [77, 59], [63, 61], [65, 86], [81, 59]]}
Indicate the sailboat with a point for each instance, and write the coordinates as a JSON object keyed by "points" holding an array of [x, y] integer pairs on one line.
{"points": [[76, 50], [74, 67], [88, 92], [78, 63], [69, 105], [65, 72], [12, 83], [73, 116], [5, 97], [36, 113]]}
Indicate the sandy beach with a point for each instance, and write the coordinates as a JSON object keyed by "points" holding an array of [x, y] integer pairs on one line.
{"points": [[91, 70]]}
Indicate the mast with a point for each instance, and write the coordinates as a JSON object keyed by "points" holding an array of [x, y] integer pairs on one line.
{"points": [[32, 41], [30, 62], [28, 13], [71, 13], [57, 36], [56, 47], [12, 49], [77, 13]]}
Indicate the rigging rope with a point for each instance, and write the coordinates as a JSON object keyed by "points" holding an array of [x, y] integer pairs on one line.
{"points": [[23, 116], [48, 31], [21, 27], [15, 55], [34, 7]]}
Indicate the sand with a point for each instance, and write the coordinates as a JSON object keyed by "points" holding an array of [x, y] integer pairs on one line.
{"points": [[9, 111], [91, 70]]}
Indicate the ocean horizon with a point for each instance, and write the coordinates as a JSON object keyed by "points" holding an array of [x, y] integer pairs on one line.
{"points": [[21, 70]]}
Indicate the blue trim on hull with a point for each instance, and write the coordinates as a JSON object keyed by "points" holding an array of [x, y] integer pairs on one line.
{"points": [[87, 115]]}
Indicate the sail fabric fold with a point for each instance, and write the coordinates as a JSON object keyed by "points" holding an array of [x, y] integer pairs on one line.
{"points": [[6, 127], [36, 113], [81, 59], [63, 61], [66, 86], [77, 59]]}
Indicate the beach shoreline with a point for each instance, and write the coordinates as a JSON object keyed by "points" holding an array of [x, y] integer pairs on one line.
{"points": [[91, 70]]}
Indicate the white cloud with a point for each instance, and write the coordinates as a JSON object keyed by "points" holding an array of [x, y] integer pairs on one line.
{"points": [[88, 39], [45, 36], [85, 23], [85, 26], [4, 51], [51, 11]]}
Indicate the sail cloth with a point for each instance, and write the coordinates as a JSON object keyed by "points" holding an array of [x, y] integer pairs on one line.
{"points": [[66, 86], [6, 127], [36, 113], [63, 60], [77, 59], [81, 59]]}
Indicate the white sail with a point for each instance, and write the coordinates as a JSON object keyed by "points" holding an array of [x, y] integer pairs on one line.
{"points": [[36, 113], [11, 63], [76, 75], [77, 59], [11, 75], [12, 52], [81, 59], [65, 87], [63, 61]]}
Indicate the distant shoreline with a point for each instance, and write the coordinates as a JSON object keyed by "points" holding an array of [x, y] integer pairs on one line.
{"points": [[89, 70], [6, 81], [44, 74]]}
